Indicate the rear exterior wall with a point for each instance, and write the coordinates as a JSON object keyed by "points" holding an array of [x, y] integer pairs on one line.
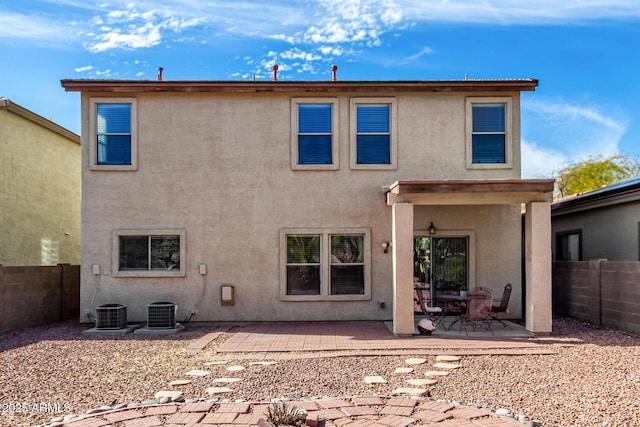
{"points": [[219, 167]]}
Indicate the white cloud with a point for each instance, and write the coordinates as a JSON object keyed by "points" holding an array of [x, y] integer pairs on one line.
{"points": [[575, 131], [19, 26], [83, 69], [128, 28], [425, 51], [519, 11], [539, 162]]}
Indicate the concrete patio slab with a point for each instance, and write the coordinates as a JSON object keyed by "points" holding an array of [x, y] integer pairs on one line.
{"points": [[360, 338]]}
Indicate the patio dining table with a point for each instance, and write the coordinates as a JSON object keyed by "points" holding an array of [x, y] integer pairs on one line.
{"points": [[462, 302]]}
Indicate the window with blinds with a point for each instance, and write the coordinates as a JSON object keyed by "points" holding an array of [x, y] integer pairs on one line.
{"points": [[489, 133], [113, 134], [373, 134], [314, 136], [325, 264], [373, 128]]}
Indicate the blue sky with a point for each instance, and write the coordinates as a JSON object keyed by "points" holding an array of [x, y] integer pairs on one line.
{"points": [[586, 54]]}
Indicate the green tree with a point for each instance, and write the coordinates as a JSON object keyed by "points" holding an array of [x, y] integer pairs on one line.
{"points": [[595, 172]]}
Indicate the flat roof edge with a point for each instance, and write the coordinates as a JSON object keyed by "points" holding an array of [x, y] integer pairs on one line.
{"points": [[71, 85]]}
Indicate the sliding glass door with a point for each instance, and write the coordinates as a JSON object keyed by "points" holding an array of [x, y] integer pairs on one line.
{"points": [[440, 265]]}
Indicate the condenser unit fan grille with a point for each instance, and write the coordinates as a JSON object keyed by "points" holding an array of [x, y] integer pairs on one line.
{"points": [[111, 316], [161, 315]]}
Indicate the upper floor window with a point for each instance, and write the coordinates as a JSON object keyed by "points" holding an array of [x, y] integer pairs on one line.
{"points": [[373, 136], [113, 133], [148, 253], [488, 133], [314, 139]]}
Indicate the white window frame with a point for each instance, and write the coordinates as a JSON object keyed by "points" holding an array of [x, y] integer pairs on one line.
{"points": [[335, 139], [393, 133], [115, 261], [509, 137], [325, 264], [93, 131]]}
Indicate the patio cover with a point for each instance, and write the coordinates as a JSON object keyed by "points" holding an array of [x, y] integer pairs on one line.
{"points": [[537, 194]]}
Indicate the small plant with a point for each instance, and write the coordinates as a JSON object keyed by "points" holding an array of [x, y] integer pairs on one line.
{"points": [[280, 414]]}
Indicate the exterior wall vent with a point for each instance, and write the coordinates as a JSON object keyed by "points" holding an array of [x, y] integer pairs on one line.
{"points": [[161, 315], [111, 316]]}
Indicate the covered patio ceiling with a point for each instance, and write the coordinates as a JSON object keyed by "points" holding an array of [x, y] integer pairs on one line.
{"points": [[470, 192]]}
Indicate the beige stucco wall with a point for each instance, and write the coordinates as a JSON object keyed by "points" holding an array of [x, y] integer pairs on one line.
{"points": [[40, 197], [218, 166], [495, 251]]}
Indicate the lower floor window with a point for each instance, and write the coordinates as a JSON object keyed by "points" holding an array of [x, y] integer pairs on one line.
{"points": [[347, 264], [331, 264], [156, 253]]}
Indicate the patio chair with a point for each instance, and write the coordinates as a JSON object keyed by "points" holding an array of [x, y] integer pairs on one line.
{"points": [[479, 307], [435, 314], [501, 306]]}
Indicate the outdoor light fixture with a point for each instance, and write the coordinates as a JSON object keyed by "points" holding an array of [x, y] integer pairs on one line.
{"points": [[385, 246], [432, 228]]}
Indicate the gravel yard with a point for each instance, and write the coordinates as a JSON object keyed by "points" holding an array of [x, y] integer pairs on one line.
{"points": [[593, 380]]}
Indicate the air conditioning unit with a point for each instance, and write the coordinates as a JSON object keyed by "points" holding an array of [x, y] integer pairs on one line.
{"points": [[111, 316], [161, 315]]}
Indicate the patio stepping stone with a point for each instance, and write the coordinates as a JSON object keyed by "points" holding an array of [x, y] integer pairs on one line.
{"points": [[166, 393], [235, 368], [410, 391], [216, 362], [374, 379], [419, 382], [415, 361], [226, 380], [448, 358], [179, 383], [268, 363], [216, 390], [198, 373], [403, 370], [436, 373], [444, 365]]}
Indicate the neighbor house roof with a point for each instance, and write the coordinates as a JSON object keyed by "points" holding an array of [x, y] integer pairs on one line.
{"points": [[467, 85], [620, 192], [8, 105]]}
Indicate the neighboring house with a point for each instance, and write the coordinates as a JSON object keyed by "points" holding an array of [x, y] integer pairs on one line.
{"points": [[307, 197], [598, 224], [40, 197]]}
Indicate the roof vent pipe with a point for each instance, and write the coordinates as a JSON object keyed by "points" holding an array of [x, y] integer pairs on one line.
{"points": [[160, 69], [334, 69], [275, 72]]}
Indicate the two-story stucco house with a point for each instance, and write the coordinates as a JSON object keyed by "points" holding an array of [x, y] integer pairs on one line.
{"points": [[40, 196], [307, 197]]}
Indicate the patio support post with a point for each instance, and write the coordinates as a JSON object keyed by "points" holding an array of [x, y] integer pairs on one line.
{"points": [[538, 268], [402, 248]]}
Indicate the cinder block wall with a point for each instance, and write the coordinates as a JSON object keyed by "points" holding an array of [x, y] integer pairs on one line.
{"points": [[31, 296], [599, 292]]}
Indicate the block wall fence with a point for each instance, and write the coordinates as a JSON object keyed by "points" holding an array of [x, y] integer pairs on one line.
{"points": [[31, 296], [600, 292]]}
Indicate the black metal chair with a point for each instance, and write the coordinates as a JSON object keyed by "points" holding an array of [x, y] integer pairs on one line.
{"points": [[501, 306]]}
